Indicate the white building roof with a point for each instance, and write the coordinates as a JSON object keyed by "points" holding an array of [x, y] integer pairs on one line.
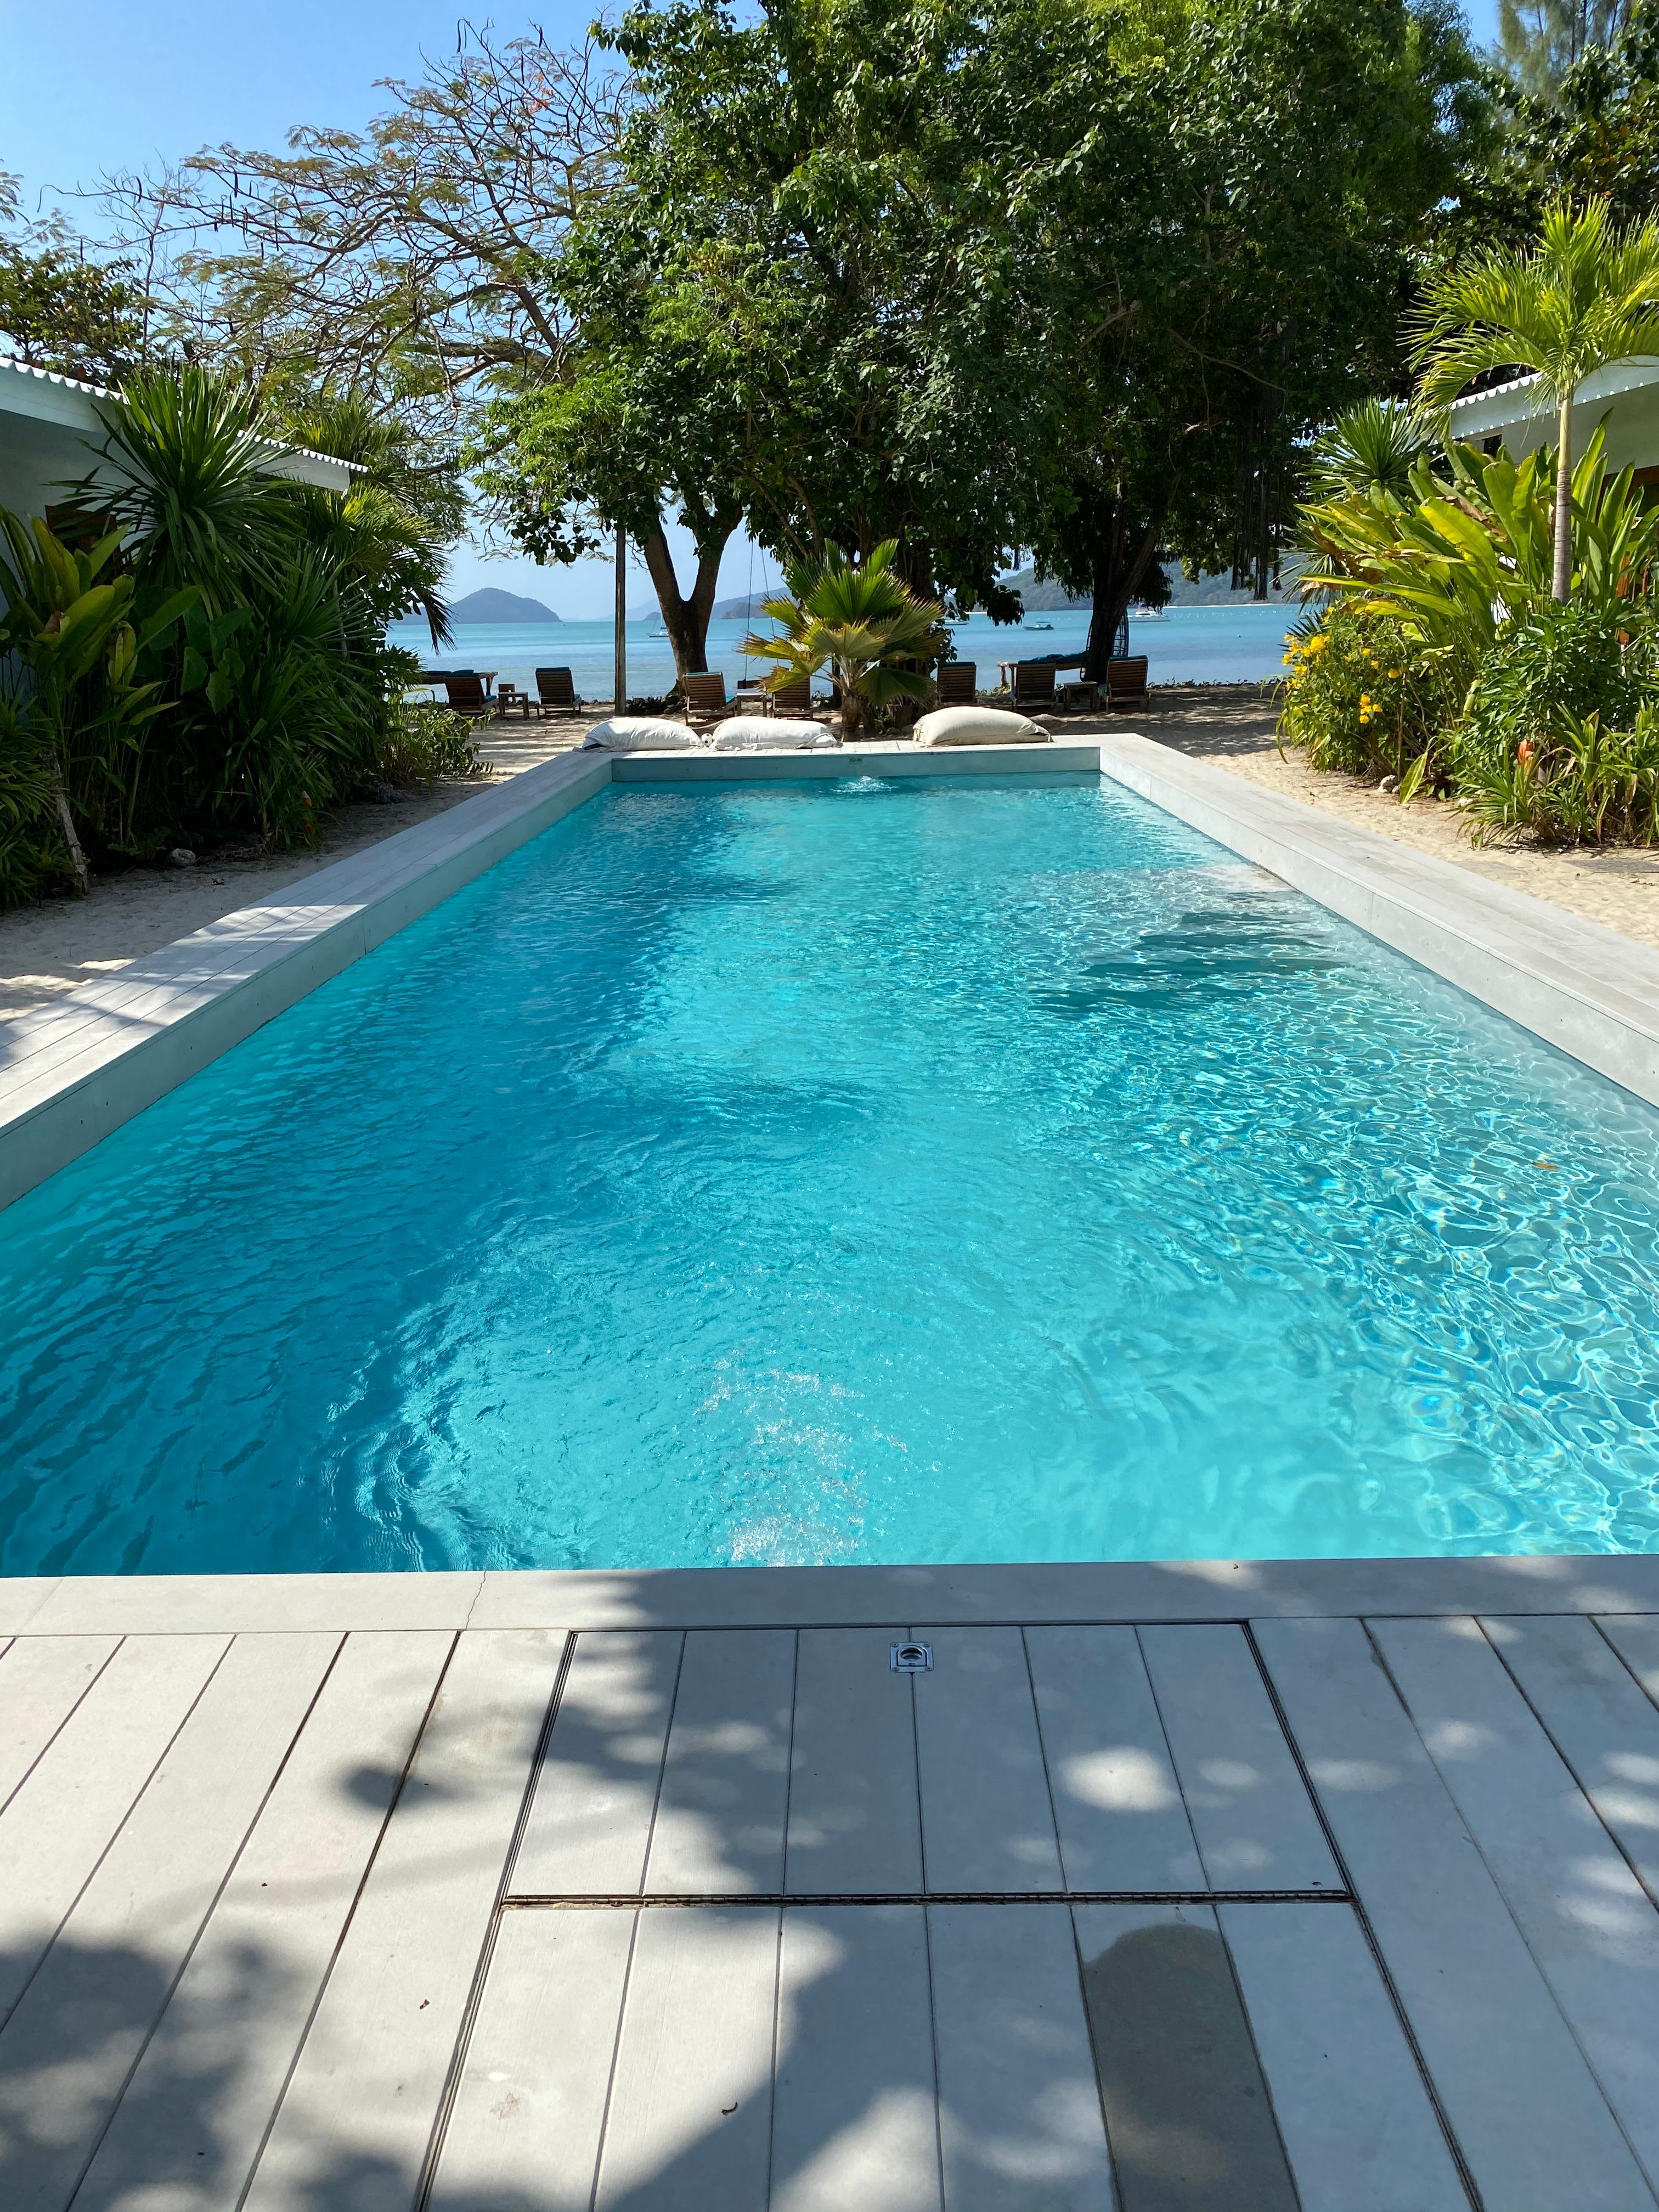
{"points": [[42, 395], [1485, 414]]}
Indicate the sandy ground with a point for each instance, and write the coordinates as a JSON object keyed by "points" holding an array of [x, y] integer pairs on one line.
{"points": [[46, 951]]}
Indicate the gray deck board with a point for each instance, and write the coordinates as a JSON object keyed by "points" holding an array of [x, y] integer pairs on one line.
{"points": [[720, 1820], [529, 2108], [1188, 2114], [1600, 1720], [42, 1680], [99, 1991], [62, 1819], [590, 1824], [1635, 1638], [1357, 2126], [854, 1823], [357, 2116], [303, 1917], [189, 2124], [1251, 1814], [1019, 2107], [986, 1823], [1522, 2103], [1586, 1919], [691, 2119], [1117, 1801], [855, 2120]]}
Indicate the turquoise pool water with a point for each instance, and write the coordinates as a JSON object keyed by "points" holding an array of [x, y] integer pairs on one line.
{"points": [[863, 1170]]}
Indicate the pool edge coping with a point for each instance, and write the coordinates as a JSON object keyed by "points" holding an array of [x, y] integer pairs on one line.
{"points": [[93, 1060], [903, 1597]]}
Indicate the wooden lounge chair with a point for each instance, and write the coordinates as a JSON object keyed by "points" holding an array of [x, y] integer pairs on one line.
{"points": [[705, 698], [957, 683], [1126, 682], [794, 700], [555, 691], [1033, 683], [467, 695]]}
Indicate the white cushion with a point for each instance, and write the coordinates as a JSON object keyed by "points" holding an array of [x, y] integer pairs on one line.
{"points": [[768, 733], [978, 726], [638, 733]]}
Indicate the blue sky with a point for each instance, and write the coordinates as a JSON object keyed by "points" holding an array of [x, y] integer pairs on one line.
{"points": [[107, 87]]}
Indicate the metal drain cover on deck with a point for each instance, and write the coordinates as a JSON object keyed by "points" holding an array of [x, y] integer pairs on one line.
{"points": [[911, 1658]]}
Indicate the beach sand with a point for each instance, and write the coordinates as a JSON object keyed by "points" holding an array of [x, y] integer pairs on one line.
{"points": [[46, 951]]}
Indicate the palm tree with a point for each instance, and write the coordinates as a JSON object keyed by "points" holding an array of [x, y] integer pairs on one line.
{"points": [[862, 622], [1585, 296], [1372, 448]]}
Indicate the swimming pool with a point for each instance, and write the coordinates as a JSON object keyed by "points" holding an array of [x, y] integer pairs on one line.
{"points": [[860, 1170]]}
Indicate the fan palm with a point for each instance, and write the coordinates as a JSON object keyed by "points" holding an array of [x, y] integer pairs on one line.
{"points": [[1585, 296], [861, 621]]}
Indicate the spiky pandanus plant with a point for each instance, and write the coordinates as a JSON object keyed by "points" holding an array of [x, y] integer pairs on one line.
{"points": [[863, 623], [1585, 296]]}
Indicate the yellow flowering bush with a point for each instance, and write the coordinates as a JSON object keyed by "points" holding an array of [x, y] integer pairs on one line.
{"points": [[1352, 697]]}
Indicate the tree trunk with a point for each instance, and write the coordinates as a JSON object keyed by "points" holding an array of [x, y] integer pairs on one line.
{"points": [[66, 824], [1118, 569], [686, 620], [1561, 586]]}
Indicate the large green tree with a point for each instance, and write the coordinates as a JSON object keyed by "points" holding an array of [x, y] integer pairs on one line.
{"points": [[61, 307], [1301, 148]]}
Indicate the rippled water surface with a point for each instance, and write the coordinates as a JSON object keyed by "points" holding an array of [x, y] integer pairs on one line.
{"points": [[866, 1171]]}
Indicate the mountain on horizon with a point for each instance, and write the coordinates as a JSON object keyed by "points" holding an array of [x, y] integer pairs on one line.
{"points": [[492, 605]]}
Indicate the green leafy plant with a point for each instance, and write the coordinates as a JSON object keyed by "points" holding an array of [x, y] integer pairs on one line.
{"points": [[1586, 296], [1472, 547], [1559, 737], [1357, 699], [32, 852], [861, 621]]}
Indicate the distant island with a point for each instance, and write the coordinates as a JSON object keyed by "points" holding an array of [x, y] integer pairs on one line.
{"points": [[494, 606]]}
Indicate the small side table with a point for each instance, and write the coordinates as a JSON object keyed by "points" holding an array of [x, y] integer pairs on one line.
{"points": [[1079, 698]]}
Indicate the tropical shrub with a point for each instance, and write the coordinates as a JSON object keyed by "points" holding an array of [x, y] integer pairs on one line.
{"points": [[202, 652], [423, 740], [863, 623], [32, 853], [1356, 697], [1561, 737]]}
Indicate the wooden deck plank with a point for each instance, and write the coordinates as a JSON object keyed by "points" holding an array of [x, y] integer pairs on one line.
{"points": [[1357, 2124], [1019, 2107], [1600, 1720], [1251, 1814], [1534, 2127], [986, 1823], [854, 1823], [60, 1822], [719, 1828], [1187, 2115], [1586, 1920], [529, 2108], [189, 2126], [590, 1825], [1635, 1638], [1117, 1802], [72, 2040], [853, 2121], [354, 2124], [690, 2117], [42, 1681]]}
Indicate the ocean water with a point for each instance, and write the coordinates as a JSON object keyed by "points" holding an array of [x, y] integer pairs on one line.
{"points": [[868, 1170], [1186, 645]]}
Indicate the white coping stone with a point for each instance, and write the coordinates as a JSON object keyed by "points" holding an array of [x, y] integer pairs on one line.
{"points": [[771, 1597]]}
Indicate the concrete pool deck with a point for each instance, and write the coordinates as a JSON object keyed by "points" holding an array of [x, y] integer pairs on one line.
{"points": [[1198, 1888]]}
